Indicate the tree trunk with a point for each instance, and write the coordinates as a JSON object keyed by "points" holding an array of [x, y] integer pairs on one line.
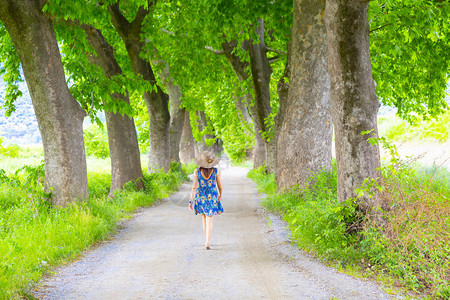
{"points": [[187, 144], [157, 101], [176, 113], [59, 116], [304, 141], [259, 151], [282, 90], [243, 114], [261, 72], [354, 104], [202, 125], [122, 137], [217, 147]]}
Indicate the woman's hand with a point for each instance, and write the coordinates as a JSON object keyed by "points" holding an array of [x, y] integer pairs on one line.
{"points": [[220, 197], [191, 206]]}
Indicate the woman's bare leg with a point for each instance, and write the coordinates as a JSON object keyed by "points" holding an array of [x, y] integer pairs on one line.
{"points": [[204, 224], [209, 227]]}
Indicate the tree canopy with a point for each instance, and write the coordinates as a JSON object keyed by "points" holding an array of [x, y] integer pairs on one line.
{"points": [[207, 48]]}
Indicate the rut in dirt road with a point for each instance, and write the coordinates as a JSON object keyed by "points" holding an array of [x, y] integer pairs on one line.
{"points": [[160, 255]]}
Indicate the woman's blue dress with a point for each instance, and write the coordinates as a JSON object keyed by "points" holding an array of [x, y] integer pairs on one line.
{"points": [[206, 195]]}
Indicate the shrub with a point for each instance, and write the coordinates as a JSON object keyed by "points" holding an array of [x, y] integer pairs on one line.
{"points": [[265, 182], [189, 168], [412, 244]]}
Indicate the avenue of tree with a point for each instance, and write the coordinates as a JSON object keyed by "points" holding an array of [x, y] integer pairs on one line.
{"points": [[270, 78]]}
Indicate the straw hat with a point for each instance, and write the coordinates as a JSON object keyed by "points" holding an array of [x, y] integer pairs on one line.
{"points": [[207, 159]]}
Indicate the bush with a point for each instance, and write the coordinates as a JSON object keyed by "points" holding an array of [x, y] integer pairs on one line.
{"points": [[96, 141], [265, 182], [189, 168], [412, 245]]}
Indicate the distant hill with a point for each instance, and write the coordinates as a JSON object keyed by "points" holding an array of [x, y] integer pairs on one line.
{"points": [[21, 127]]}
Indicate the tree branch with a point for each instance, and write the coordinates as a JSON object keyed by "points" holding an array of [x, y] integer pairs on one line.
{"points": [[218, 52], [279, 52], [167, 31], [274, 59], [119, 21], [381, 27], [141, 14]]}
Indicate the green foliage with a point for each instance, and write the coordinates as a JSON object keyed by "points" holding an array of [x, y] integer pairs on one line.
{"points": [[395, 129], [413, 244], [142, 122], [11, 151], [265, 182], [409, 246], [10, 68], [34, 236], [96, 141], [215, 88], [318, 221], [410, 53], [189, 168]]}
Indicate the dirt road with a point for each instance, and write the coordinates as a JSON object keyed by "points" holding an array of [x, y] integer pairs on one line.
{"points": [[160, 255]]}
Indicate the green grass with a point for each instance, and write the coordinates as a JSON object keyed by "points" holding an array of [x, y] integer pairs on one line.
{"points": [[410, 250], [34, 236]]}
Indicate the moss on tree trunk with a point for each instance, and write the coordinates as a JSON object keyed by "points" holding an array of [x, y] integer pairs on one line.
{"points": [[354, 104]]}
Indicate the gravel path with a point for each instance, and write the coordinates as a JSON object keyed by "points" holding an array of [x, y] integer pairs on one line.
{"points": [[160, 255]]}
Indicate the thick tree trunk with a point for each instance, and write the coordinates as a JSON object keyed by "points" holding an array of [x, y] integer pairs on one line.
{"points": [[243, 114], [124, 149], [201, 126], [282, 90], [122, 137], [217, 147], [304, 141], [59, 115], [187, 144], [259, 151], [261, 72], [157, 101], [354, 104], [257, 110], [176, 114]]}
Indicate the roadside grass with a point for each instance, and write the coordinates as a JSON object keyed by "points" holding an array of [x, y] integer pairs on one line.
{"points": [[409, 250], [34, 236]]}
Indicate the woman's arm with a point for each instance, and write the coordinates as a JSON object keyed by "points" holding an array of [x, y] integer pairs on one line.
{"points": [[219, 186]]}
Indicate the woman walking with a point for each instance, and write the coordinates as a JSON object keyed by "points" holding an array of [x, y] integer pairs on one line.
{"points": [[206, 192]]}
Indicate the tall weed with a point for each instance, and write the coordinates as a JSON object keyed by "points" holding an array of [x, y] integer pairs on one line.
{"points": [[412, 244]]}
